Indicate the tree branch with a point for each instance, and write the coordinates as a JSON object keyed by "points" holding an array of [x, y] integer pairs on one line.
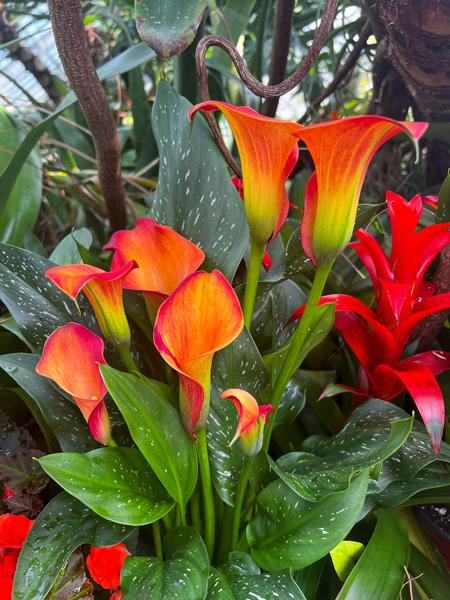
{"points": [[70, 37], [284, 17], [343, 71], [259, 89]]}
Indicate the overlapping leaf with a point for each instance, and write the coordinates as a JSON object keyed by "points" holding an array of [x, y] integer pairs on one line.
{"points": [[116, 483], [372, 433], [64, 524], [184, 572]]}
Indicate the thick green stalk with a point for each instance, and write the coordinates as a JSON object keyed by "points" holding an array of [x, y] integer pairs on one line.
{"points": [[208, 499], [157, 540], [293, 357], [111, 443], [240, 494], [251, 284], [127, 359]]}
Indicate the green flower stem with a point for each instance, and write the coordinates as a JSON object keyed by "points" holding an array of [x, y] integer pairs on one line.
{"points": [[181, 509], [128, 361], [157, 540], [111, 443], [208, 498], [294, 356], [240, 494], [195, 511], [251, 284]]}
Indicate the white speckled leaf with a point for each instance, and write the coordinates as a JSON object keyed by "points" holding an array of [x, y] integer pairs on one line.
{"points": [[195, 195], [156, 429], [372, 433], [289, 531], [241, 579], [36, 304], [116, 483], [239, 365], [168, 26], [62, 416], [184, 573], [62, 526]]}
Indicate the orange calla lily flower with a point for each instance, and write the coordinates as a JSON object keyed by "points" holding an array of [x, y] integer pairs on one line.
{"points": [[252, 419], [104, 292], [202, 316], [164, 257], [71, 357], [268, 151], [341, 151]]}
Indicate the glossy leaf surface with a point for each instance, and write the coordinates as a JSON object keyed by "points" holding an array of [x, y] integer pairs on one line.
{"points": [[289, 531], [379, 573], [370, 435], [156, 429], [184, 573], [63, 525], [168, 26], [195, 195], [116, 483]]}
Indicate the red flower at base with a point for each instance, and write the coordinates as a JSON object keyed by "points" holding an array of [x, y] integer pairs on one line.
{"points": [[105, 564], [6, 586], [117, 595], [8, 563], [13, 530]]}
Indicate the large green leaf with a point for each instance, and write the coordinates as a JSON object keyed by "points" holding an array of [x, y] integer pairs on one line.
{"points": [[236, 16], [241, 579], [184, 573], [168, 26], [63, 525], [239, 365], [66, 252], [156, 429], [132, 57], [372, 433], [61, 414], [409, 471], [289, 531], [195, 195], [432, 580], [116, 483], [379, 573], [36, 304], [22, 208]]}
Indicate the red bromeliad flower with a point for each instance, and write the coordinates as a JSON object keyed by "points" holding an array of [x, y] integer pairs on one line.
{"points": [[105, 564], [403, 300], [252, 419], [202, 316], [13, 530], [269, 152], [341, 151], [104, 292], [6, 586], [71, 357], [164, 257]]}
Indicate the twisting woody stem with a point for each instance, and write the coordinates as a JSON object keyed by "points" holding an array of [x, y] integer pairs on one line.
{"points": [[255, 86]]}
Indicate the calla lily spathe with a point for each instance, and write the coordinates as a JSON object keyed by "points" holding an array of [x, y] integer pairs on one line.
{"points": [[202, 316], [104, 292], [341, 150], [70, 358], [252, 419], [164, 257], [268, 152]]}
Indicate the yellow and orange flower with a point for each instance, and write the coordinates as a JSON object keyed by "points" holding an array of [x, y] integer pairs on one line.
{"points": [[342, 151], [268, 151], [202, 316], [252, 419], [71, 357], [164, 257], [104, 291]]}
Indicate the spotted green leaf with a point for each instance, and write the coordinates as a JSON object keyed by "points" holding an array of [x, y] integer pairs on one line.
{"points": [[184, 573], [289, 531], [116, 483], [63, 525]]}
